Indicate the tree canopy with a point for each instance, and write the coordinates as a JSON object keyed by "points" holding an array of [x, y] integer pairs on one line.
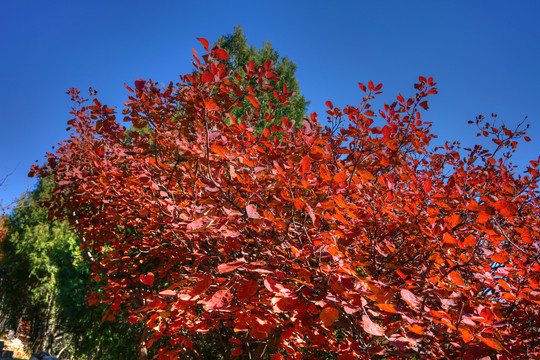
{"points": [[345, 241]]}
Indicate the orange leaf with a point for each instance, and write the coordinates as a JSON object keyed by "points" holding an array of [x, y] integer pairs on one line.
{"points": [[325, 173], [483, 217], [456, 278], [466, 335], [220, 150], [340, 218], [253, 100], [449, 239], [210, 104], [390, 308], [329, 315], [366, 175], [509, 210], [339, 177], [492, 343], [469, 241], [416, 328]]}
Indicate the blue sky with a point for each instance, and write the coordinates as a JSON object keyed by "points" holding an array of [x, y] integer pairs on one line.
{"points": [[484, 55]]}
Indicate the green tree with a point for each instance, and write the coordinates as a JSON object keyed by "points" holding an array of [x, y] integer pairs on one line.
{"points": [[28, 272], [241, 54], [45, 285]]}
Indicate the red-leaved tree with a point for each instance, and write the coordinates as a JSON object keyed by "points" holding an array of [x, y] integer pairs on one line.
{"points": [[348, 241]]}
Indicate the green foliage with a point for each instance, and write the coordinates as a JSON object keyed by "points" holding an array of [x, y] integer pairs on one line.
{"points": [[27, 267], [46, 284], [241, 54]]}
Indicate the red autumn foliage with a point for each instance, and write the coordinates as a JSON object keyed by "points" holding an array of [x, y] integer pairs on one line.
{"points": [[3, 232], [358, 240]]}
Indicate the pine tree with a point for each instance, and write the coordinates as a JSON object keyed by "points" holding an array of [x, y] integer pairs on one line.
{"points": [[241, 54]]}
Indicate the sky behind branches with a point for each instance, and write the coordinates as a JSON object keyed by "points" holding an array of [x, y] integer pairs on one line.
{"points": [[485, 57]]}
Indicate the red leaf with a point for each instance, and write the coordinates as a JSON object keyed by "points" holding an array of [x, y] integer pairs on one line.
{"points": [[197, 224], [247, 289], [272, 285], [427, 186], [207, 77], [204, 43], [167, 293], [410, 298], [237, 351], [362, 86], [230, 266], [330, 105], [219, 300], [510, 209], [370, 327], [147, 279], [306, 164], [424, 105], [221, 54], [376, 130]]}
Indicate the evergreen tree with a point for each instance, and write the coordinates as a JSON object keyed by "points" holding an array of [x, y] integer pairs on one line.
{"points": [[241, 54]]}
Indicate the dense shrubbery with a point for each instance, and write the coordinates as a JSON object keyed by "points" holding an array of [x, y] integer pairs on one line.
{"points": [[257, 238]]}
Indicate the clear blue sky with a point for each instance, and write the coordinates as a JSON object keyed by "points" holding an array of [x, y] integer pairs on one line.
{"points": [[485, 56]]}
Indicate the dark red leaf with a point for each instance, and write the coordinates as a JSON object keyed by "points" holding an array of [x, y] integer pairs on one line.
{"points": [[139, 84]]}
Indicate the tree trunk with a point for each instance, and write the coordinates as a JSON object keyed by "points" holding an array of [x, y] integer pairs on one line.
{"points": [[143, 351]]}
